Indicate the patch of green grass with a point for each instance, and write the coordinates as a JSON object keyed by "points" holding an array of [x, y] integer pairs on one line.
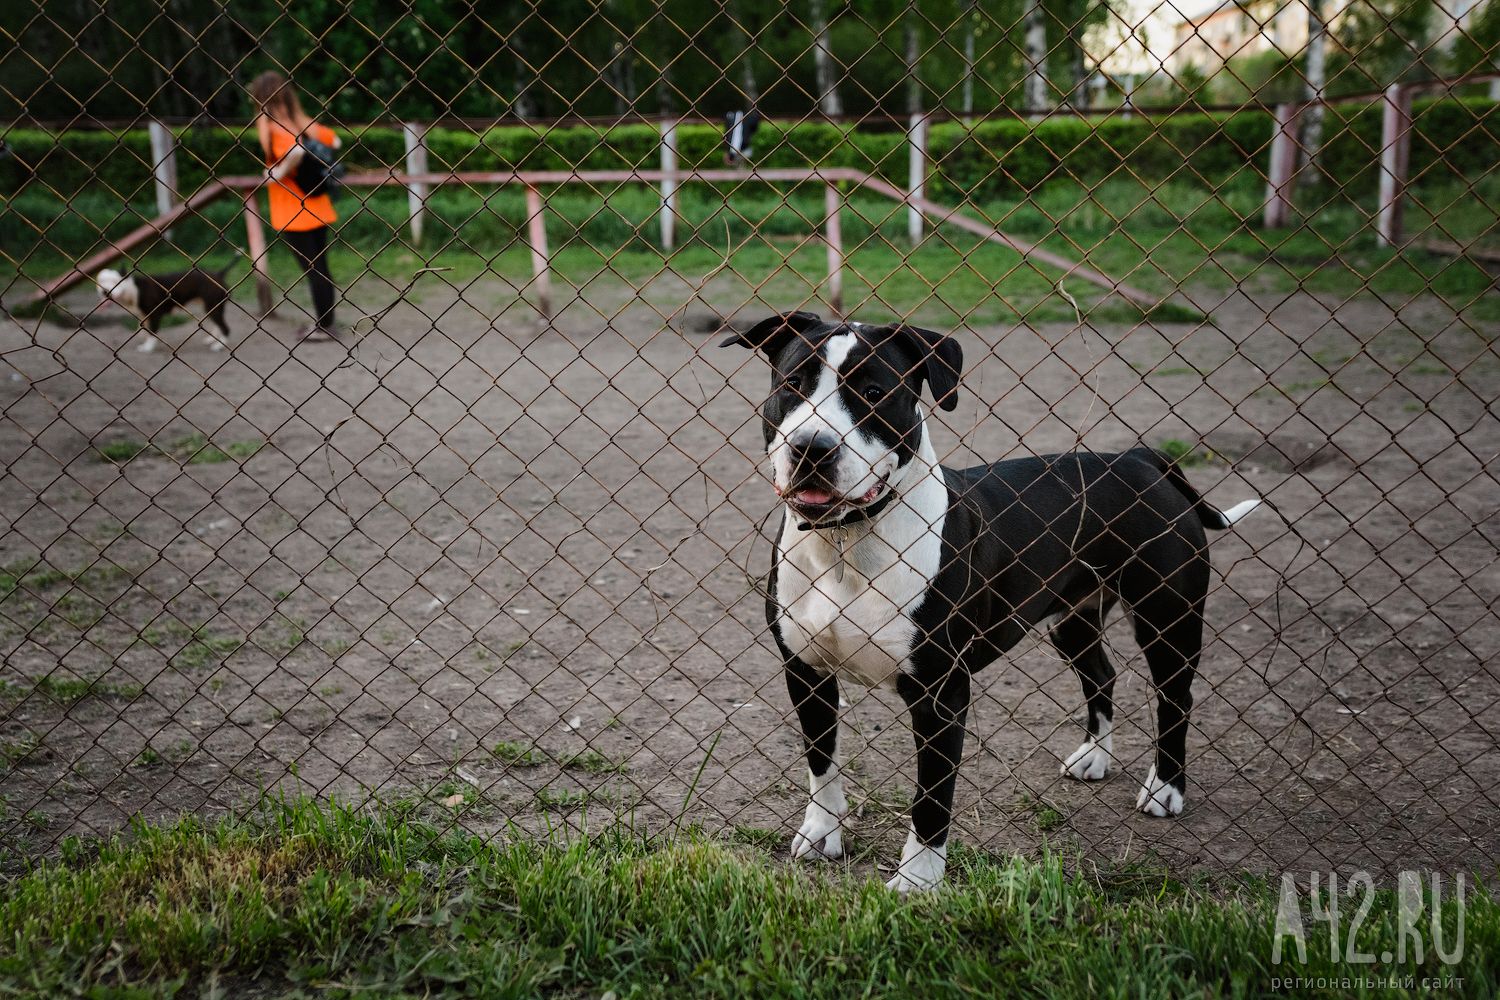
{"points": [[70, 690], [589, 761], [122, 451], [148, 757], [1183, 454], [518, 754], [1044, 814], [592, 762], [310, 898], [18, 748], [206, 649], [196, 449], [281, 635], [25, 573], [563, 799], [196, 648], [756, 836]]}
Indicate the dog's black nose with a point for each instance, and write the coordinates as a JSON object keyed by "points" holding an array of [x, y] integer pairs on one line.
{"points": [[814, 453]]}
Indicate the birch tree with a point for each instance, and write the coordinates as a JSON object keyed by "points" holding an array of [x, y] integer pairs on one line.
{"points": [[1036, 58], [1317, 73], [828, 88]]}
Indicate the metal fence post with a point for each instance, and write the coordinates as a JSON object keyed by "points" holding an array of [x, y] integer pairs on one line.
{"points": [[1283, 166], [1395, 156], [833, 203], [416, 163], [164, 167], [916, 173], [669, 182], [255, 240], [536, 234]]}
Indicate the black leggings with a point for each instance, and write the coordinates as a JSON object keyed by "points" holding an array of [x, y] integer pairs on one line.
{"points": [[311, 248]]}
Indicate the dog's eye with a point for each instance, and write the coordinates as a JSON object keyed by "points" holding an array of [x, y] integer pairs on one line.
{"points": [[875, 393], [792, 383]]}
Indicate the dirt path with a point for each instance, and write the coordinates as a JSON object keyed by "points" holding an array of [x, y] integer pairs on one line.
{"points": [[473, 530]]}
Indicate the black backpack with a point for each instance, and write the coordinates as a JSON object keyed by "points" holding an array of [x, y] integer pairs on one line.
{"points": [[320, 172]]}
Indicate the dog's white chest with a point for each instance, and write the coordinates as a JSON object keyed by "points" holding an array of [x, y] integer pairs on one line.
{"points": [[858, 623]]}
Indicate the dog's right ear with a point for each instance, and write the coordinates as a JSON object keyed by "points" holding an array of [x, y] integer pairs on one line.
{"points": [[771, 334]]}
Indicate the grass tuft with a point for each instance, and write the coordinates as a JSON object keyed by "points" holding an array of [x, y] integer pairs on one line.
{"points": [[1183, 454], [518, 754], [70, 690], [122, 451]]}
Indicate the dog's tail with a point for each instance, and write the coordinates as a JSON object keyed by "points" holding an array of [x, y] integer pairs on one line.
{"points": [[1212, 518], [223, 273]]}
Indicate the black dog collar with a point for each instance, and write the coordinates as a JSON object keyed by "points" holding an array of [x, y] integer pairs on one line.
{"points": [[854, 516]]}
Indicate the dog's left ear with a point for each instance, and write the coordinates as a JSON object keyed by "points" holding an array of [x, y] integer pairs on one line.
{"points": [[770, 334], [941, 365]]}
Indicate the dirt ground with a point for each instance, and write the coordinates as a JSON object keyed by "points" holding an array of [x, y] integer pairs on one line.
{"points": [[474, 529]]}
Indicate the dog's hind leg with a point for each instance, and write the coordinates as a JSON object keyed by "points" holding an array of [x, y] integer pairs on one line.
{"points": [[815, 697], [216, 316], [149, 326], [938, 717], [1169, 628], [1079, 637]]}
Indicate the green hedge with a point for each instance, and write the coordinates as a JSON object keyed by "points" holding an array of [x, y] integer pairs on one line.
{"points": [[990, 159]]}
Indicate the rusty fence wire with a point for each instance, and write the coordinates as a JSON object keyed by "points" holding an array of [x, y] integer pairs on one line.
{"points": [[495, 550]]}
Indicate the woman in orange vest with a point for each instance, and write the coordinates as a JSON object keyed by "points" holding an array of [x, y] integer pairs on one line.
{"points": [[303, 221]]}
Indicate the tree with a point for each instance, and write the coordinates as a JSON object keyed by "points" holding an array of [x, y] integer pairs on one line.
{"points": [[1036, 58], [968, 34], [913, 63], [828, 89], [746, 55], [1316, 75]]}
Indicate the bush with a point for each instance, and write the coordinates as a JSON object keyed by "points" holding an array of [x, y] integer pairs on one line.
{"points": [[992, 159]]}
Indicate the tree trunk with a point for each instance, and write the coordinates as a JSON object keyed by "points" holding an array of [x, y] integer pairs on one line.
{"points": [[666, 94], [1079, 69], [523, 104], [1036, 58], [621, 70], [747, 54], [828, 88], [913, 65], [968, 98], [1312, 118]]}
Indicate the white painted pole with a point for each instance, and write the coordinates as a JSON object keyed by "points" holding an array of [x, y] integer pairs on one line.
{"points": [[416, 163], [1395, 154], [164, 167], [1283, 167], [916, 173], [669, 182], [833, 202]]}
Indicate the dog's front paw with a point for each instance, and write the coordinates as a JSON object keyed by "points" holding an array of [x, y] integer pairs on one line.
{"points": [[1157, 798], [146, 346], [922, 867], [821, 837], [214, 343], [1090, 762]]}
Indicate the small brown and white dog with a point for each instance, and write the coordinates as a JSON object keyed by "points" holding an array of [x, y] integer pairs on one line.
{"points": [[151, 297]]}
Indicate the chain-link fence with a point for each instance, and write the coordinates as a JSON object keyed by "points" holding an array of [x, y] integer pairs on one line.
{"points": [[488, 536]]}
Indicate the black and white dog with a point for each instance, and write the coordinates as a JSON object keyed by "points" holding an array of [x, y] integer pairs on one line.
{"points": [[150, 298], [892, 571]]}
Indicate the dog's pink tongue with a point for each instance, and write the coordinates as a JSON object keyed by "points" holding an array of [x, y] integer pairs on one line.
{"points": [[814, 496]]}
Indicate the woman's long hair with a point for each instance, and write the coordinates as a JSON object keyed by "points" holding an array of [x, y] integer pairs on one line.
{"points": [[276, 100]]}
